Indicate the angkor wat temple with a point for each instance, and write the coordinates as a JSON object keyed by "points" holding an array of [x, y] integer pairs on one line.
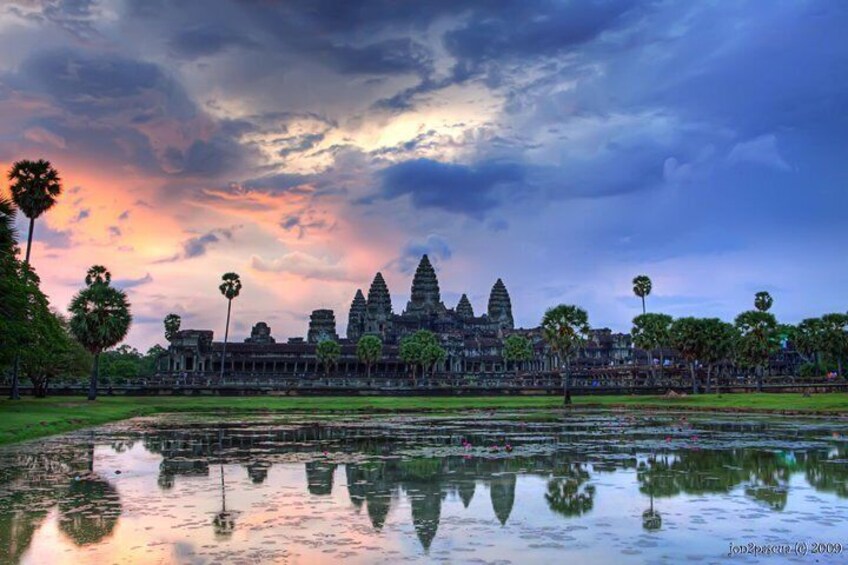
{"points": [[474, 344]]}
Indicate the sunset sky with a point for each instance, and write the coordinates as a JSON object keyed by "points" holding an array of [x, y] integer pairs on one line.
{"points": [[562, 146]]}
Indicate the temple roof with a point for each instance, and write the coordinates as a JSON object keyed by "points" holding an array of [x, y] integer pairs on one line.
{"points": [[464, 308], [425, 286], [500, 306], [379, 300]]}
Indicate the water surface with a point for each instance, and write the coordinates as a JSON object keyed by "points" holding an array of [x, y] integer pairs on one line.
{"points": [[600, 487]]}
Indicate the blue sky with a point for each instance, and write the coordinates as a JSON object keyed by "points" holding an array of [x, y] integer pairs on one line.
{"points": [[562, 146]]}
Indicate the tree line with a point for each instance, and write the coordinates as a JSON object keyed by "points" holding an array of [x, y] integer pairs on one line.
{"points": [[39, 342]]}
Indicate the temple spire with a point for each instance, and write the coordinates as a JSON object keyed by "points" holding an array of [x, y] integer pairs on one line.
{"points": [[356, 317], [379, 300], [500, 306], [425, 288], [464, 308]]}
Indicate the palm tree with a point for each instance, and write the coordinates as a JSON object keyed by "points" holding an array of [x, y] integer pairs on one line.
{"points": [[328, 353], [35, 185], [565, 328], [100, 318], [642, 288], [689, 338], [763, 301], [172, 325], [757, 340], [369, 350], [652, 332], [230, 287]]}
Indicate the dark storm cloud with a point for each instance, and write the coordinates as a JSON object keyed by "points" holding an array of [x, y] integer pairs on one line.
{"points": [[97, 85], [529, 29], [470, 190], [205, 40]]}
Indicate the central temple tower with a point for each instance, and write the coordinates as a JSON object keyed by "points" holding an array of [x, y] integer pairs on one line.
{"points": [[425, 298]]}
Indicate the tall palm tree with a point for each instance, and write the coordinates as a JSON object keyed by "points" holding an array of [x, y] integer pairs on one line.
{"points": [[565, 328], [100, 318], [369, 349], [230, 287], [35, 185], [172, 325], [763, 301], [642, 288]]}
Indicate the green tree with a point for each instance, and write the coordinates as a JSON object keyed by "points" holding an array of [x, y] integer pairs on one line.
{"points": [[149, 363], [51, 352], [369, 349], [652, 332], [757, 340], [432, 354], [35, 186], [410, 352], [689, 339], [809, 339], [172, 325], [642, 288], [328, 353], [230, 287], [421, 348], [835, 338], [763, 301], [100, 318], [120, 364], [719, 340], [517, 349], [565, 329]]}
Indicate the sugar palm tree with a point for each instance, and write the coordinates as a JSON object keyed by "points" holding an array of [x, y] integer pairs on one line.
{"points": [[369, 349], [757, 340], [230, 287], [565, 328], [763, 301], [642, 288], [172, 325], [34, 185], [328, 353], [100, 318]]}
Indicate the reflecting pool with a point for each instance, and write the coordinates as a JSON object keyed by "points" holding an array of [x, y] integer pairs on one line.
{"points": [[523, 487]]}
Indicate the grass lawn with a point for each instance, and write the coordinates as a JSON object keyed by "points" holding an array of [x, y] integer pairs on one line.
{"points": [[32, 418]]}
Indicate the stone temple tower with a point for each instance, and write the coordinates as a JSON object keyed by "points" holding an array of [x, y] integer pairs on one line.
{"points": [[425, 297], [464, 309], [378, 308], [500, 307], [356, 318], [322, 326]]}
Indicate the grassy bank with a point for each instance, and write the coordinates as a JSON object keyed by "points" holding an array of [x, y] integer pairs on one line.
{"points": [[31, 418]]}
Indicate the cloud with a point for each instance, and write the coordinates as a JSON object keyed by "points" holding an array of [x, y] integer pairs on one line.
{"points": [[133, 283], [434, 246], [198, 246], [42, 136], [302, 264], [205, 40], [100, 85], [463, 189], [761, 150]]}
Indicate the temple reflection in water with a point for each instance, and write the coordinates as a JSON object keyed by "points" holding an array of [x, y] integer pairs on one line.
{"points": [[419, 465]]}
